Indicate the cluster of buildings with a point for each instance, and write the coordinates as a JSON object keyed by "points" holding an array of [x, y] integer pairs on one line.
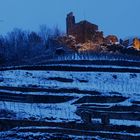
{"points": [[85, 31]]}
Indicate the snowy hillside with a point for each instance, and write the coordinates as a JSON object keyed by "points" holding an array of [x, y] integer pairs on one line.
{"points": [[103, 82], [53, 96]]}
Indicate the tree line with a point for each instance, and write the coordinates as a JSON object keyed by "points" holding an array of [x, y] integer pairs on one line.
{"points": [[20, 46]]}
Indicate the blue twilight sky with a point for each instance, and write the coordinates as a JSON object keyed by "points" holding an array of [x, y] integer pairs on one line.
{"points": [[120, 17]]}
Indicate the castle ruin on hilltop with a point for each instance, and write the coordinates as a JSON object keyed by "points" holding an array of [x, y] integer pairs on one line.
{"points": [[83, 30], [85, 36]]}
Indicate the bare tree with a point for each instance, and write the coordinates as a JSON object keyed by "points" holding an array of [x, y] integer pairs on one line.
{"points": [[45, 33]]}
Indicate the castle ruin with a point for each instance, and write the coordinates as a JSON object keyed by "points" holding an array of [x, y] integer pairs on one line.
{"points": [[83, 30]]}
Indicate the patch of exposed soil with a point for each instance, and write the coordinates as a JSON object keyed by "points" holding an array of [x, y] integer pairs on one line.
{"points": [[50, 90], [7, 113], [60, 79], [28, 98], [100, 99]]}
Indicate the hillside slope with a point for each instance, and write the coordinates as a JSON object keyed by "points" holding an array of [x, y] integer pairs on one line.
{"points": [[45, 101]]}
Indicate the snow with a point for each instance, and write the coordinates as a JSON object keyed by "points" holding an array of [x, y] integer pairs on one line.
{"points": [[124, 122], [32, 134], [57, 112], [125, 83], [95, 66], [107, 83]]}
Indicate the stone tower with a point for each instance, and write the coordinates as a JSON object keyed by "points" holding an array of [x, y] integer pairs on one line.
{"points": [[70, 22]]}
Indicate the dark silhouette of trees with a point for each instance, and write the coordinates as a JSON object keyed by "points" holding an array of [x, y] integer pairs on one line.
{"points": [[20, 47]]}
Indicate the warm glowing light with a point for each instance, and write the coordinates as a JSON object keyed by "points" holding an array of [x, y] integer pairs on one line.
{"points": [[136, 44]]}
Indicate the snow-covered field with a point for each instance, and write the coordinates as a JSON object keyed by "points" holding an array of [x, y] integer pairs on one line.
{"points": [[104, 83], [57, 112], [125, 83]]}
